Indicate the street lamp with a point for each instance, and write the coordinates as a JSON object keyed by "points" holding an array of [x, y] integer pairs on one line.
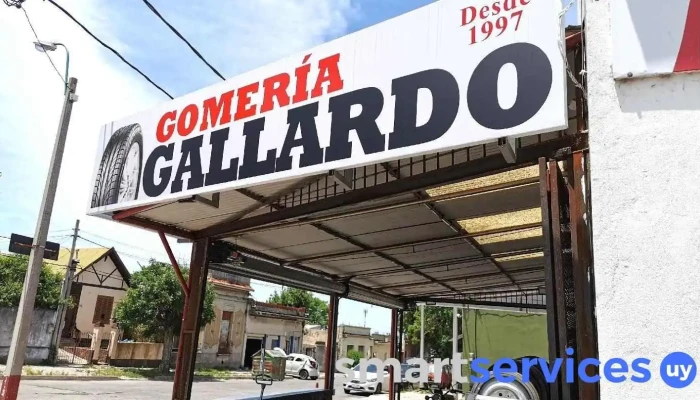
{"points": [[51, 46]]}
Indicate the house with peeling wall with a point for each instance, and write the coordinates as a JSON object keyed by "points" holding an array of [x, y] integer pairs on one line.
{"points": [[241, 323]]}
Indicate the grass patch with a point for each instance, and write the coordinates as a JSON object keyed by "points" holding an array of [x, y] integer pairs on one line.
{"points": [[151, 373], [214, 373], [132, 373], [32, 372]]}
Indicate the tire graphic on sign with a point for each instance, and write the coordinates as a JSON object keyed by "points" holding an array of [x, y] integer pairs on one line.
{"points": [[118, 178]]}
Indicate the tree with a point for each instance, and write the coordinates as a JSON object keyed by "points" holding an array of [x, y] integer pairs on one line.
{"points": [[315, 307], [356, 356], [438, 330], [13, 269], [153, 306]]}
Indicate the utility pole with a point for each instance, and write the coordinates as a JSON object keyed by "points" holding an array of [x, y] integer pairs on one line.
{"points": [[15, 357], [65, 294]]}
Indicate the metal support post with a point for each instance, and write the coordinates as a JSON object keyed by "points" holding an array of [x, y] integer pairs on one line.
{"points": [[20, 335], [187, 353], [334, 342], [330, 343], [65, 294], [400, 350], [392, 352], [422, 331]]}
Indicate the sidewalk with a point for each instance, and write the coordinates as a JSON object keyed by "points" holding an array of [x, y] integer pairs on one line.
{"points": [[106, 372]]}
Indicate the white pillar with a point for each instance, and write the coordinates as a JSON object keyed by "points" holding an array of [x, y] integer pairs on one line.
{"points": [[455, 310], [422, 331]]}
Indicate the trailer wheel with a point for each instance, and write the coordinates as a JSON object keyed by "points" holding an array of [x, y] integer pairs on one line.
{"points": [[517, 390], [118, 176]]}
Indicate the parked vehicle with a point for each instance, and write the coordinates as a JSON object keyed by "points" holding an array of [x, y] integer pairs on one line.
{"points": [[375, 382], [301, 365], [445, 378]]}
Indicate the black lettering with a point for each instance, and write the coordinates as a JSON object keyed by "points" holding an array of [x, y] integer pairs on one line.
{"points": [[217, 175], [303, 120], [149, 186], [251, 166], [365, 124], [445, 92], [534, 83], [190, 152]]}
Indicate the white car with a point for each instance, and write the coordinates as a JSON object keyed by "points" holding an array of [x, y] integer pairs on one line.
{"points": [[373, 384], [301, 365]]}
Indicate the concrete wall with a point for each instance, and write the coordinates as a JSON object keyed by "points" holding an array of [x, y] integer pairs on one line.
{"points": [[644, 163], [210, 336], [136, 354], [42, 327], [257, 326], [88, 296]]}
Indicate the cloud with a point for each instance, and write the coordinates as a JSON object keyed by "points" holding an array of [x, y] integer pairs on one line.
{"points": [[234, 36]]}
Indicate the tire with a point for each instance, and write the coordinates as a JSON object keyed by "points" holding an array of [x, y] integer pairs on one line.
{"points": [[346, 391], [313, 378], [114, 184], [304, 374], [513, 390], [379, 389]]}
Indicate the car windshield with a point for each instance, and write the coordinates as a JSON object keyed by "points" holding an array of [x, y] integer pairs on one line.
{"points": [[371, 368]]}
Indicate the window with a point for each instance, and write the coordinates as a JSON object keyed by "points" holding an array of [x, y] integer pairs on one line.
{"points": [[361, 349], [350, 348], [224, 333], [103, 310]]}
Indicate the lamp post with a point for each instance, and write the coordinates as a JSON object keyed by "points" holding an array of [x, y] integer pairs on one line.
{"points": [[15, 358], [52, 46]]}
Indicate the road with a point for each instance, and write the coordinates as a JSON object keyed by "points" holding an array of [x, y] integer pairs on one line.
{"points": [[157, 390]]}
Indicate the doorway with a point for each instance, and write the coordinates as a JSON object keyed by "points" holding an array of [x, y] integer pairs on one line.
{"points": [[252, 345]]}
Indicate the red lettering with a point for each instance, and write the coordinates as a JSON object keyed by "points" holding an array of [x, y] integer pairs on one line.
{"points": [[302, 74], [496, 8], [484, 12], [213, 108], [188, 120], [328, 72], [509, 5], [524, 2], [275, 86], [163, 133], [244, 110], [468, 15]]}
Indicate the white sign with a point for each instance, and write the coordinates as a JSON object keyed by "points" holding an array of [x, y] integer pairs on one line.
{"points": [[652, 38], [447, 75]]}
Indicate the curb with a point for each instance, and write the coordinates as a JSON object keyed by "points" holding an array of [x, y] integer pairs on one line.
{"points": [[67, 378]]}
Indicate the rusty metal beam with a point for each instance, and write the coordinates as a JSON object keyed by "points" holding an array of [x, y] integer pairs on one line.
{"points": [[189, 331], [158, 227], [371, 272], [552, 327], [457, 278], [415, 243], [176, 266], [473, 290], [364, 247], [379, 254], [582, 264], [527, 156]]}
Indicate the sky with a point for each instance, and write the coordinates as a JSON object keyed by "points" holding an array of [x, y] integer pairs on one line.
{"points": [[234, 36]]}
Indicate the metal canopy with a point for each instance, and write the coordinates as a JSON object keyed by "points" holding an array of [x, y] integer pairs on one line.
{"points": [[448, 227]]}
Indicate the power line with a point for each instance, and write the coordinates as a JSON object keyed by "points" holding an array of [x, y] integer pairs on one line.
{"points": [[109, 48], [175, 31], [45, 52], [118, 242]]}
